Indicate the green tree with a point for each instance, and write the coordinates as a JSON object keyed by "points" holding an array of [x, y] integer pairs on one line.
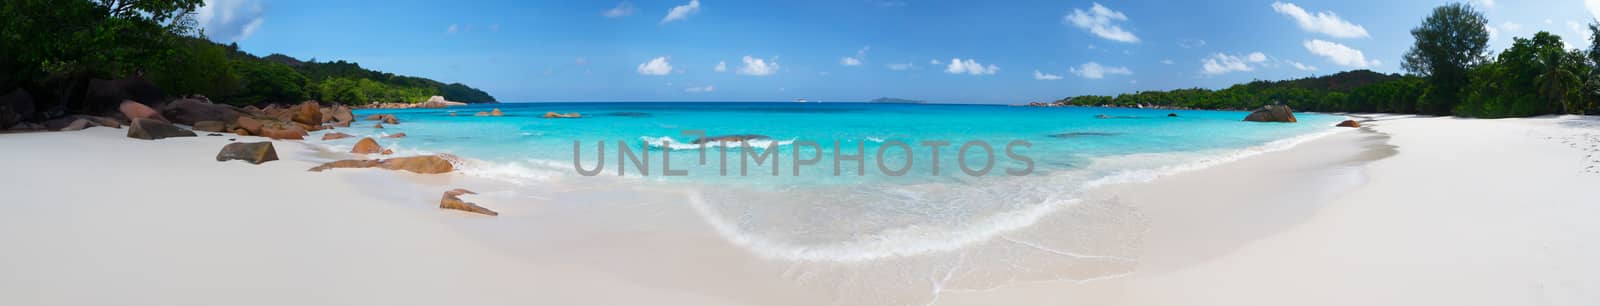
{"points": [[1448, 44]]}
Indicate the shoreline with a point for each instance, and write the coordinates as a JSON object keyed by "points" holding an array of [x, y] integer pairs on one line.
{"points": [[282, 225]]}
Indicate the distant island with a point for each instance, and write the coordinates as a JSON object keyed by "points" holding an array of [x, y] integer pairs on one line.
{"points": [[897, 100]]}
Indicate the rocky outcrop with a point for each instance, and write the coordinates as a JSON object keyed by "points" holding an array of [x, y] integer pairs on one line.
{"points": [[191, 111], [1349, 124], [63, 122], [281, 130], [452, 200], [249, 124], [426, 164], [252, 152], [308, 113], [1272, 113], [729, 138], [211, 126], [15, 107], [76, 125], [340, 114], [134, 110], [335, 135], [559, 115], [102, 96], [366, 146], [150, 129]]}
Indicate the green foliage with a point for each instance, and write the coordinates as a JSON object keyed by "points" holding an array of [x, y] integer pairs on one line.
{"points": [[1449, 43], [360, 91], [268, 82], [199, 67], [87, 38], [1353, 91], [1534, 77]]}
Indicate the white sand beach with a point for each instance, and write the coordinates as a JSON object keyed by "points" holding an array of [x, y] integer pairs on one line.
{"points": [[1405, 211]]}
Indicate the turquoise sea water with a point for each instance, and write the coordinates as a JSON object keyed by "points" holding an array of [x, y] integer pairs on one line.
{"points": [[817, 216]]}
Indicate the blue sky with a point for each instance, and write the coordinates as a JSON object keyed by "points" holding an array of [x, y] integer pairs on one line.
{"points": [[1006, 52]]}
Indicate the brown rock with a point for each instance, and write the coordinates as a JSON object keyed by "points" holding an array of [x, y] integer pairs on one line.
{"points": [[391, 120], [241, 131], [396, 135], [377, 125], [249, 124], [366, 146], [452, 200], [281, 130], [252, 152], [496, 112], [340, 113], [334, 135], [340, 124], [481, 114], [210, 126], [1272, 113], [151, 129], [387, 151], [560, 115], [308, 113], [1349, 123], [134, 110], [426, 164]]}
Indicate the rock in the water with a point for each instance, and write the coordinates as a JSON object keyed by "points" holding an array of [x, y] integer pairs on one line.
{"points": [[191, 111], [426, 164], [340, 124], [341, 114], [391, 120], [253, 152], [76, 125], [308, 113], [134, 110], [1272, 113], [376, 117], [496, 112], [481, 114], [150, 129], [210, 126], [729, 138], [396, 135], [15, 107], [366, 146], [1172, 114], [452, 200], [1349, 123], [335, 135], [377, 125], [560, 115]]}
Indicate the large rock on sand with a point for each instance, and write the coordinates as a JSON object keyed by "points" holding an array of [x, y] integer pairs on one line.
{"points": [[191, 111], [1272, 113], [308, 113], [15, 107], [149, 129], [134, 111], [211, 126], [1349, 123], [452, 200], [281, 130], [252, 152], [426, 164], [366, 146]]}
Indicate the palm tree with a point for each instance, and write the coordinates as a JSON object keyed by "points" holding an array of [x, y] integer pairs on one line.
{"points": [[1555, 80]]}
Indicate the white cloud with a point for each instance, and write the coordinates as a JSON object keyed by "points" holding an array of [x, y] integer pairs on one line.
{"points": [[1100, 21], [1324, 22], [758, 67], [1191, 43], [1167, 61], [1339, 54], [722, 66], [656, 66], [1594, 8], [1486, 3], [230, 20], [1301, 66], [1580, 34], [682, 11], [934, 62], [453, 29], [1256, 57], [899, 67], [623, 9], [969, 66], [1223, 63], [1093, 70], [1045, 76], [855, 60], [700, 89]]}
